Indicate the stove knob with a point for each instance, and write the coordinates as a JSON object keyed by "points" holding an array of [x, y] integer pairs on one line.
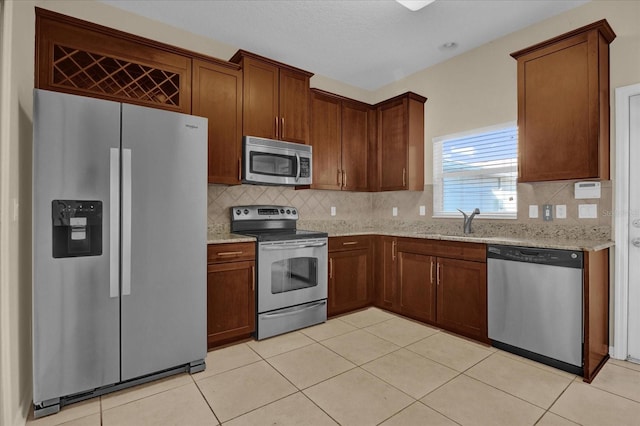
{"points": [[238, 212], [246, 211], [294, 212], [288, 211], [281, 211]]}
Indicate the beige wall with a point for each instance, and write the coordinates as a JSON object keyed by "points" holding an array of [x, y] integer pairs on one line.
{"points": [[478, 89], [474, 90]]}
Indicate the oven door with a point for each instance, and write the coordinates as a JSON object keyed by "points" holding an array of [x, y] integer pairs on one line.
{"points": [[291, 273]]}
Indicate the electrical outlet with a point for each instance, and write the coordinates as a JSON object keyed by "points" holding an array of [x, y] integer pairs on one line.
{"points": [[561, 211], [423, 210], [533, 211], [333, 211], [547, 212], [394, 211], [587, 211]]}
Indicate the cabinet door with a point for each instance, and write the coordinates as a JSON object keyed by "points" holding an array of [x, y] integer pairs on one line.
{"points": [[260, 109], [415, 282], [392, 142], [217, 95], [294, 107], [563, 106], [355, 146], [325, 139], [349, 280], [462, 297], [231, 308], [385, 282]]}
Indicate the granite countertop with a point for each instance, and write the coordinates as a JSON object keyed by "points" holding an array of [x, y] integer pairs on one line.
{"points": [[537, 241], [227, 237], [563, 244]]}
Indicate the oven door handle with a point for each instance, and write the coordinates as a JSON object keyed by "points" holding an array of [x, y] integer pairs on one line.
{"points": [[294, 310], [292, 246]]}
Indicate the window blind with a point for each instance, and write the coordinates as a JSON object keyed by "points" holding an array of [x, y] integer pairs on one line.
{"points": [[476, 169]]}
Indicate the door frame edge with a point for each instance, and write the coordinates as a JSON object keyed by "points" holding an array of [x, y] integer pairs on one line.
{"points": [[621, 220]]}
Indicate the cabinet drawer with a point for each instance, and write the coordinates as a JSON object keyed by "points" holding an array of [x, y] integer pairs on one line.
{"points": [[460, 250], [349, 243], [452, 249], [230, 252]]}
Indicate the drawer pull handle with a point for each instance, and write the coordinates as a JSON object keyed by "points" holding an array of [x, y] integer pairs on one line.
{"points": [[349, 243], [229, 253]]}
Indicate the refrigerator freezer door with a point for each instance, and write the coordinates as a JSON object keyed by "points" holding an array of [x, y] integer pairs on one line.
{"points": [[75, 321], [164, 232]]}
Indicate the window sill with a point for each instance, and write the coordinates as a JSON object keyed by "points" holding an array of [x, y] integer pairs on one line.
{"points": [[480, 216]]}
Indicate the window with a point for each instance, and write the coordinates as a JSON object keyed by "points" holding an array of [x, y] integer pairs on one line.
{"points": [[476, 169]]}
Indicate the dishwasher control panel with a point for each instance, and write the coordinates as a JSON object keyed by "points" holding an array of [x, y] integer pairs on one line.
{"points": [[555, 257]]}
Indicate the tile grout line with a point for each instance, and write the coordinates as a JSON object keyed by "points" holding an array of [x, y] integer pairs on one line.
{"points": [[207, 402]]}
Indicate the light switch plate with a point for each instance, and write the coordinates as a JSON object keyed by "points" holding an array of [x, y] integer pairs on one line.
{"points": [[587, 211], [547, 212], [423, 210], [561, 211], [394, 211], [533, 211], [333, 211]]}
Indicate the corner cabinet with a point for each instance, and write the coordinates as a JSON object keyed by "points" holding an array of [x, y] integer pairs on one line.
{"points": [[275, 99], [217, 95], [339, 129], [231, 297], [401, 143], [563, 106], [82, 58], [350, 274], [443, 283]]}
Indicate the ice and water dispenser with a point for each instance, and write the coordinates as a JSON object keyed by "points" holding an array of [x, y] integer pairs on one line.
{"points": [[77, 228]]}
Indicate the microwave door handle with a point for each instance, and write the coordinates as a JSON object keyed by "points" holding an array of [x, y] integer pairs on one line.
{"points": [[297, 167], [293, 246]]}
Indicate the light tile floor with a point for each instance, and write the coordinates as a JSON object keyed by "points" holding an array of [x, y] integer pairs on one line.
{"points": [[368, 368]]}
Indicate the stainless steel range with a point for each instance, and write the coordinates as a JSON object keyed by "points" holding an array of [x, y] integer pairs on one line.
{"points": [[292, 268]]}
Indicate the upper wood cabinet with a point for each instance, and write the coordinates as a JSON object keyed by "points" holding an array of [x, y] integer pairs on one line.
{"points": [[276, 99], [340, 139], [401, 143], [82, 58], [217, 95], [563, 106]]}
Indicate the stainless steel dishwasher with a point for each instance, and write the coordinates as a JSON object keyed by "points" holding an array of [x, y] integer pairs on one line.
{"points": [[535, 304]]}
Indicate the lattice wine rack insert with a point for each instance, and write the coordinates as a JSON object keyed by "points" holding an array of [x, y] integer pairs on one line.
{"points": [[93, 72]]}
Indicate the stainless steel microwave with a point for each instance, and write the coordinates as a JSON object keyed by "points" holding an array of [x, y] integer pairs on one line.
{"points": [[271, 162]]}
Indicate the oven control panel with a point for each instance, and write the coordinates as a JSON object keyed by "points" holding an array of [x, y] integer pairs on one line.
{"points": [[239, 213]]}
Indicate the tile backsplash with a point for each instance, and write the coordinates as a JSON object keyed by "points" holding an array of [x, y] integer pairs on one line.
{"points": [[370, 209]]}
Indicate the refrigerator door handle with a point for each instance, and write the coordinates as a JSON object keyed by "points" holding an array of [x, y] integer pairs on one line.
{"points": [[126, 222], [114, 221]]}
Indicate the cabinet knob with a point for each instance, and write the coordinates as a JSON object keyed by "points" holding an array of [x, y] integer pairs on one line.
{"points": [[636, 242]]}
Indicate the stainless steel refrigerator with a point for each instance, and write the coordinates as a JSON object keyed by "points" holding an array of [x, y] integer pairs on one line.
{"points": [[119, 246]]}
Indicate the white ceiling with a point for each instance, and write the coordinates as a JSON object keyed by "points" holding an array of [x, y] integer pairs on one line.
{"points": [[364, 43]]}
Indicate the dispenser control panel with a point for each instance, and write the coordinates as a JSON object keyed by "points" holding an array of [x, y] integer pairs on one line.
{"points": [[77, 228]]}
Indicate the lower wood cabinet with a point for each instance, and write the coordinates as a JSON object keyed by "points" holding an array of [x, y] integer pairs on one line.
{"points": [[231, 300], [462, 297], [350, 274], [439, 282]]}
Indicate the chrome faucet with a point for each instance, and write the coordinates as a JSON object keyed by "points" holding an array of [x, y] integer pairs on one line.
{"points": [[468, 219]]}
